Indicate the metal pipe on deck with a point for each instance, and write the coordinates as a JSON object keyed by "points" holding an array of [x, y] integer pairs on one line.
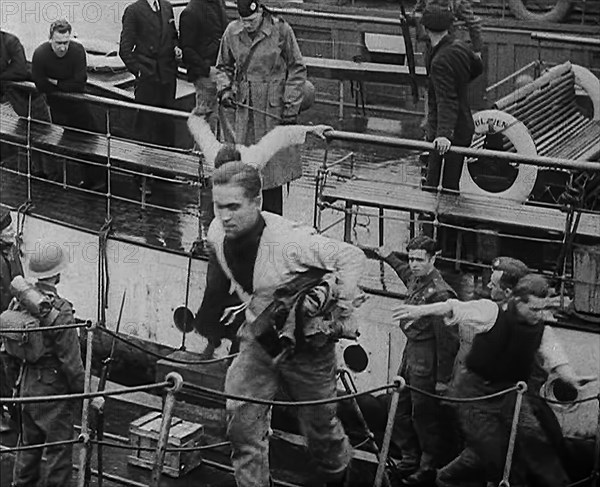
{"points": [[542, 161], [551, 37]]}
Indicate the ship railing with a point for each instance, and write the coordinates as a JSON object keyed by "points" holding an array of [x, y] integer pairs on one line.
{"points": [[185, 170], [351, 210], [367, 200]]}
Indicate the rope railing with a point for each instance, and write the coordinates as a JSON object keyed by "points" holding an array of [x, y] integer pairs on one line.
{"points": [[38, 446], [163, 357], [89, 395], [123, 446]]}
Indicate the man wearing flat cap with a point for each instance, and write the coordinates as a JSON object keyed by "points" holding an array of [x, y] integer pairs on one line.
{"points": [[463, 12], [451, 66], [263, 77]]}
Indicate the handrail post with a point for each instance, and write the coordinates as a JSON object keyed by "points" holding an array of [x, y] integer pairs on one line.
{"points": [[85, 452], [165, 427], [108, 163], [595, 475], [30, 101], [400, 383], [521, 390]]}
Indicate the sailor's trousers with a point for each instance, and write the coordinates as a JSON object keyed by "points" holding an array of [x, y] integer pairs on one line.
{"points": [[45, 423], [308, 375], [487, 426]]}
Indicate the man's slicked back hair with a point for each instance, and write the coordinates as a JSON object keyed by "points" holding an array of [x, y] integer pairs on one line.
{"points": [[512, 271], [531, 285], [423, 242], [61, 26], [239, 174]]}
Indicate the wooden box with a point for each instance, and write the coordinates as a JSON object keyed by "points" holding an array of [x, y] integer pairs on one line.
{"points": [[143, 433]]}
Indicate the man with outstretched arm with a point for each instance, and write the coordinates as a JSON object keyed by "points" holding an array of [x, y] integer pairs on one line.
{"points": [[259, 154], [298, 290], [420, 434], [507, 338]]}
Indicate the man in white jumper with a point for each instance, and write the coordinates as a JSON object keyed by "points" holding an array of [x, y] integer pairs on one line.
{"points": [[260, 256]]}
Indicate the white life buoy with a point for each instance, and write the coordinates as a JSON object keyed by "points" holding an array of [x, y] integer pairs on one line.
{"points": [[556, 14], [588, 81], [515, 131]]}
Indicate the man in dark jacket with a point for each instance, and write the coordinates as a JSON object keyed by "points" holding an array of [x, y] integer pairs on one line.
{"points": [[10, 267], [52, 365], [149, 48], [201, 26], [419, 433], [13, 65], [451, 66]]}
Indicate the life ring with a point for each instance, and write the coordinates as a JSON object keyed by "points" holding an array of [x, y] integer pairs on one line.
{"points": [[559, 11], [487, 121], [588, 81]]}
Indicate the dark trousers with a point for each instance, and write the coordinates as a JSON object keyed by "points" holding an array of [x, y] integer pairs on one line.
{"points": [[453, 164], [272, 200], [42, 423], [418, 431], [76, 115], [487, 426], [151, 127]]}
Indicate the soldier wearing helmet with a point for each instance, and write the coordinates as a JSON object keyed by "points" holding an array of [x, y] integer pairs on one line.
{"points": [[51, 365]]}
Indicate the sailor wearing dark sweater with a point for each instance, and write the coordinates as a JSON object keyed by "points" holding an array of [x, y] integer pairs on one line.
{"points": [[60, 65], [506, 341]]}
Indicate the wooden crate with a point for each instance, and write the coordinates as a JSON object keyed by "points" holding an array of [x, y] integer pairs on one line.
{"points": [[143, 433]]}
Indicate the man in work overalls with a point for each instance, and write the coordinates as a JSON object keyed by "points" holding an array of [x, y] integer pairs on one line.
{"points": [[51, 365], [261, 257]]}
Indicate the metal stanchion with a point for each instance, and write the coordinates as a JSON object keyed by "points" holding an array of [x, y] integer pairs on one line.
{"points": [[399, 382], [521, 390], [84, 453], [165, 427], [595, 476]]}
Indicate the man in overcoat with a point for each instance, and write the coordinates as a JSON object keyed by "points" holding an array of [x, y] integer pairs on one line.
{"points": [[263, 69]]}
